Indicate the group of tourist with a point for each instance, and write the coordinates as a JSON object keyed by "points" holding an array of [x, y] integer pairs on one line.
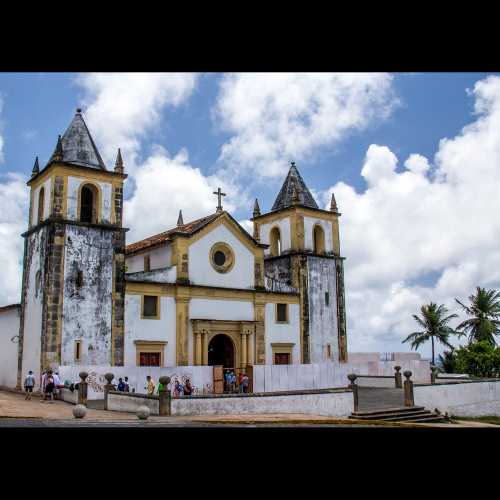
{"points": [[233, 383], [123, 385], [180, 389], [50, 385]]}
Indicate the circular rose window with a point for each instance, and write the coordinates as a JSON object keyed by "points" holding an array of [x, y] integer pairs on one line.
{"points": [[222, 257]]}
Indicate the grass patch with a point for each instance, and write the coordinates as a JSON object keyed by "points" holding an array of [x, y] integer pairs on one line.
{"points": [[488, 419]]}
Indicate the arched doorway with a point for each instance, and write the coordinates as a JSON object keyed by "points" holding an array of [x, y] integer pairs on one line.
{"points": [[221, 351]]}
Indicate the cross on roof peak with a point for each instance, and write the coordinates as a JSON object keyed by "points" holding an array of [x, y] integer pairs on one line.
{"points": [[219, 194]]}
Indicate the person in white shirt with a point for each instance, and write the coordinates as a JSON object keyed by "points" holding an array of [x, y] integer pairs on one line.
{"points": [[57, 383]]}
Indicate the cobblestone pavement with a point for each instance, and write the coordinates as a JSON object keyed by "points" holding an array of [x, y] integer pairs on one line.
{"points": [[15, 411]]}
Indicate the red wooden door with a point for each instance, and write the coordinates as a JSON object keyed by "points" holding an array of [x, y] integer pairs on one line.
{"points": [[282, 358], [149, 359]]}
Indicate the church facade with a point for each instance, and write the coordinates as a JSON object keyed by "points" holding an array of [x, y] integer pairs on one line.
{"points": [[205, 292]]}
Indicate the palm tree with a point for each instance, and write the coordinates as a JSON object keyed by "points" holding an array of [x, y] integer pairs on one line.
{"points": [[484, 310], [435, 326]]}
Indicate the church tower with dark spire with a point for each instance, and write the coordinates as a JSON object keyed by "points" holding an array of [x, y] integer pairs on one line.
{"points": [[72, 303], [304, 253]]}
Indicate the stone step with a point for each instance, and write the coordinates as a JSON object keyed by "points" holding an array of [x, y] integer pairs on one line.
{"points": [[399, 409], [412, 417], [392, 415]]}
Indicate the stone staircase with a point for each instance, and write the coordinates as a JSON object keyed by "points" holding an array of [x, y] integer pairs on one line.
{"points": [[410, 414]]}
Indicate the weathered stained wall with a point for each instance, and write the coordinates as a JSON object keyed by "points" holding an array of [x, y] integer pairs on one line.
{"points": [[9, 329], [278, 274], [87, 310], [323, 328], [159, 258], [74, 184], [201, 271], [35, 275], [162, 329]]}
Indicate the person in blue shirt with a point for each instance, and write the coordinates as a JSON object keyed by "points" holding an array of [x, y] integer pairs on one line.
{"points": [[121, 385]]}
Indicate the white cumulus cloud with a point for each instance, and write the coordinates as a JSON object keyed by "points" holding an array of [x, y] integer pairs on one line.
{"points": [[273, 118], [428, 232]]}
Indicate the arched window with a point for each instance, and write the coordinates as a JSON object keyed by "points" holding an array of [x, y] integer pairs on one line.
{"points": [[88, 203], [275, 241], [319, 239], [41, 204]]}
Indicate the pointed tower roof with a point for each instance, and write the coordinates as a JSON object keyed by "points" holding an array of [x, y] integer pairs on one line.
{"points": [[333, 204], [36, 168], [78, 147], [256, 208], [294, 191], [180, 221]]}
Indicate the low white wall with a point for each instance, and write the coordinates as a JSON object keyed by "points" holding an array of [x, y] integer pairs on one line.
{"points": [[332, 404], [376, 382], [68, 396], [468, 399], [131, 402], [9, 327], [201, 377]]}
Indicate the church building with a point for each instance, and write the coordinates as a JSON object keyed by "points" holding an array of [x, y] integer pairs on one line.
{"points": [[204, 292]]}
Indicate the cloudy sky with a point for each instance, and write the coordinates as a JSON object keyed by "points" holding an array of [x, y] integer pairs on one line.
{"points": [[413, 160]]}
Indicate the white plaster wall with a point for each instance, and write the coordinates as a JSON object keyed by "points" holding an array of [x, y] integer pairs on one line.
{"points": [[149, 329], [131, 403], [309, 223], [47, 185], [9, 327], [159, 258], [106, 191], [201, 377], [284, 227], [201, 271], [221, 309], [468, 399], [283, 332], [333, 404], [33, 304]]}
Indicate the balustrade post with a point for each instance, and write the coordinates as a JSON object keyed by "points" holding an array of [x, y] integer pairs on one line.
{"points": [[398, 379], [408, 389], [82, 388], [354, 387]]}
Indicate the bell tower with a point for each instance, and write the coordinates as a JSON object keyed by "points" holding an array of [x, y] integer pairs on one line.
{"points": [[73, 270], [304, 253]]}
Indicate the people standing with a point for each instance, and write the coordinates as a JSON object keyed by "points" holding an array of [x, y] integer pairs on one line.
{"points": [[49, 387], [246, 383], [121, 385], [227, 380], [240, 382], [29, 384], [188, 388], [233, 381], [127, 385], [57, 385], [150, 386], [43, 383]]}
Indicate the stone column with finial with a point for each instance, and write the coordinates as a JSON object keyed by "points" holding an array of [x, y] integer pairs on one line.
{"points": [[82, 388], [398, 379], [256, 213], [36, 168], [109, 386], [165, 397], [408, 389], [180, 220], [354, 388]]}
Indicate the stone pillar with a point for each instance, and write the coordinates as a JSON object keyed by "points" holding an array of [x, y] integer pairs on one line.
{"points": [[205, 347], [408, 389], [165, 397], [199, 347], [398, 379], [250, 348], [182, 329], [244, 349], [108, 387], [433, 374], [354, 388], [260, 329], [82, 388]]}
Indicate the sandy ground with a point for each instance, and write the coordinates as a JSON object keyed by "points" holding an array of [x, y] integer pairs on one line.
{"points": [[14, 405]]}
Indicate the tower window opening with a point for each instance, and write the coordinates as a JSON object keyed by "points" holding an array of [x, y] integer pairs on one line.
{"points": [[41, 204], [319, 239], [275, 241], [79, 279], [78, 350], [88, 204], [327, 299]]}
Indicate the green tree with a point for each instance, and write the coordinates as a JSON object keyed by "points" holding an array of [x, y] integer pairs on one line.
{"points": [[479, 359], [484, 312], [448, 361], [434, 321]]}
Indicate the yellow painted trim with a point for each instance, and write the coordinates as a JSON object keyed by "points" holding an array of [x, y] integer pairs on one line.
{"points": [[228, 253], [155, 346], [158, 303]]}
